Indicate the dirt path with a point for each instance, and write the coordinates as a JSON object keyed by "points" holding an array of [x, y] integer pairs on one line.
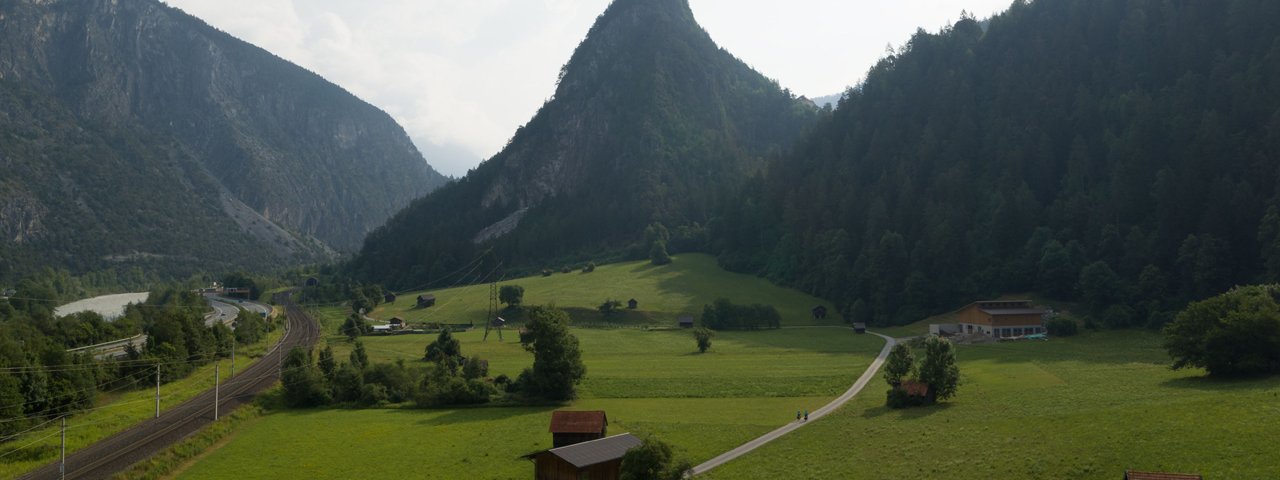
{"points": [[862, 382]]}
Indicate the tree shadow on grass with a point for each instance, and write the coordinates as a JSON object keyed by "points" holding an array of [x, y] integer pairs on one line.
{"points": [[911, 413], [468, 414], [1207, 383]]}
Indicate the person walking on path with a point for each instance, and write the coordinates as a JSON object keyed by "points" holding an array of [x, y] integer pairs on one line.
{"points": [[806, 415], [797, 415]]}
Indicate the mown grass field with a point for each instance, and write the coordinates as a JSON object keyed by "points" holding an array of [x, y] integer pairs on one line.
{"points": [[664, 294], [115, 412], [649, 381], [1084, 407]]}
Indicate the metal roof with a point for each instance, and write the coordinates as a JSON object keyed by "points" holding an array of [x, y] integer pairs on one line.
{"points": [[1013, 311], [594, 452]]}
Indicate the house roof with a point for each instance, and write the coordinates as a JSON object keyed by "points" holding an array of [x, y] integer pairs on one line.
{"points": [[565, 421], [1136, 475], [686, 319], [915, 389], [595, 452], [397, 320], [426, 296], [1013, 311]]}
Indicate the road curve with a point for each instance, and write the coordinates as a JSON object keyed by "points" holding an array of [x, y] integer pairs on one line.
{"points": [[116, 453], [861, 383]]}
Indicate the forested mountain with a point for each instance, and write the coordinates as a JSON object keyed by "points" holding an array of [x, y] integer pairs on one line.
{"points": [[1122, 153], [133, 133], [650, 122]]}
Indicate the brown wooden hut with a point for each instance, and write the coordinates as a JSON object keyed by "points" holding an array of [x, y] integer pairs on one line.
{"points": [[389, 297], [426, 300], [819, 312], [594, 460], [570, 427], [632, 304], [685, 322]]}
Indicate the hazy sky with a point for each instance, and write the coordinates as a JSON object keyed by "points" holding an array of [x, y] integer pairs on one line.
{"points": [[461, 75]]}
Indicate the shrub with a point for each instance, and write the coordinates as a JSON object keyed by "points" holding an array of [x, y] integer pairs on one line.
{"points": [[1236, 333], [1062, 326]]}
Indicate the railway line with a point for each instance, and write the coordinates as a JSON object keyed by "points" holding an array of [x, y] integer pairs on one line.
{"points": [[117, 452]]}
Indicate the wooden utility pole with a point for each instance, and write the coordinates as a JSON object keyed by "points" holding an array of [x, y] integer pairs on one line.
{"points": [[157, 390], [217, 369], [233, 358], [62, 466]]}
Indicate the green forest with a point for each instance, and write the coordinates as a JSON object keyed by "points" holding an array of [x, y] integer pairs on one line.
{"points": [[1122, 154]]}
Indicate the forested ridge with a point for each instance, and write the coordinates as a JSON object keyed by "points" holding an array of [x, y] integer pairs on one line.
{"points": [[1122, 153], [650, 122]]}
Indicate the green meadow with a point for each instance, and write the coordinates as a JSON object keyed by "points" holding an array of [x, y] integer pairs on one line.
{"points": [[650, 381], [1084, 407]]}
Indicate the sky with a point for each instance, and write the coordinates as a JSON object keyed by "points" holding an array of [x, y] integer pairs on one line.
{"points": [[461, 75]]}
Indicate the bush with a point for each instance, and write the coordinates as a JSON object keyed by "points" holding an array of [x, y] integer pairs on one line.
{"points": [[1062, 326], [702, 336], [1236, 333], [724, 315]]}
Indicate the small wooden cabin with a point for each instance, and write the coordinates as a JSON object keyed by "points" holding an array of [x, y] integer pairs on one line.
{"points": [[860, 327], [397, 323], [685, 322], [632, 304], [819, 312], [595, 460], [426, 300], [570, 427], [389, 298]]}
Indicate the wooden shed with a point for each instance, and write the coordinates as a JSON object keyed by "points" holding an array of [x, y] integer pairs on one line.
{"points": [[1001, 318], [570, 427], [685, 322], [389, 297], [632, 304], [426, 300], [594, 460], [397, 323]]}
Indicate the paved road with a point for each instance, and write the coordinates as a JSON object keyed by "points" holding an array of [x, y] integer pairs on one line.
{"points": [[252, 306], [223, 312], [120, 451], [862, 382]]}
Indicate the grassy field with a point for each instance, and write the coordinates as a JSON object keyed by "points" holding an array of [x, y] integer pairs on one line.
{"points": [[650, 381], [116, 412], [664, 294], [1081, 407]]}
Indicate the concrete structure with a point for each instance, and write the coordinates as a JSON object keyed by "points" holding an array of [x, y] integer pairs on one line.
{"points": [[594, 460], [1001, 318], [568, 427]]}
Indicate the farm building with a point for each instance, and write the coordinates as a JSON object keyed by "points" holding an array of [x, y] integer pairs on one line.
{"points": [[426, 300], [595, 460], [397, 323], [569, 427], [819, 312], [632, 304], [1001, 318], [389, 298], [1136, 475], [860, 327], [9, 293], [686, 322]]}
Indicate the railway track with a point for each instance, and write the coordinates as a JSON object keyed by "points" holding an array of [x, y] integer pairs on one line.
{"points": [[117, 452]]}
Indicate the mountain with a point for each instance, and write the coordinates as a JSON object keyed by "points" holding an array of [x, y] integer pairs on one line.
{"points": [[650, 122], [1121, 154], [825, 100], [136, 134]]}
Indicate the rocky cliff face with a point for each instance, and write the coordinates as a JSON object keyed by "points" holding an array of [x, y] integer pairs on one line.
{"points": [[295, 150], [650, 122]]}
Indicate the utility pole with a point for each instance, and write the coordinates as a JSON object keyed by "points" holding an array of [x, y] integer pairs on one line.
{"points": [[217, 369], [233, 358], [62, 466], [157, 390]]}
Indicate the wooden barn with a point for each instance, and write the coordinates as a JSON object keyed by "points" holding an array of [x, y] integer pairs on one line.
{"points": [[632, 304], [685, 322], [397, 323], [570, 427], [389, 298], [1001, 318], [426, 300], [594, 460]]}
